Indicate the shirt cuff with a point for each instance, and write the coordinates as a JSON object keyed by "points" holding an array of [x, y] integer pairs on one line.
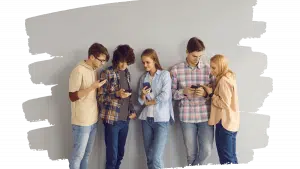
{"points": [[181, 91]]}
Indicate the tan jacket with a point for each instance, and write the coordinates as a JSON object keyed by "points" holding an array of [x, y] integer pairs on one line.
{"points": [[84, 110], [225, 105]]}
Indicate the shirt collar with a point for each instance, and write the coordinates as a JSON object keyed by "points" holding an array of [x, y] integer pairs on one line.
{"points": [[198, 66], [157, 72]]}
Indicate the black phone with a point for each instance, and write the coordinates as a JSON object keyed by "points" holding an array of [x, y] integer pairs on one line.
{"points": [[147, 84], [195, 87], [128, 91]]}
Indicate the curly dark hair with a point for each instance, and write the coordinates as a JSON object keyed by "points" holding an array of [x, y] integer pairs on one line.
{"points": [[123, 53]]}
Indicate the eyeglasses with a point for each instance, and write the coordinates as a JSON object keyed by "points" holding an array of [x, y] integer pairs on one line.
{"points": [[102, 61]]}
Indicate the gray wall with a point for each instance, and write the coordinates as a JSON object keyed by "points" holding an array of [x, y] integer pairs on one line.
{"points": [[166, 26]]}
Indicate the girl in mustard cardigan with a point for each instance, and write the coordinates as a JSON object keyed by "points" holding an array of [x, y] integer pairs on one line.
{"points": [[224, 109]]}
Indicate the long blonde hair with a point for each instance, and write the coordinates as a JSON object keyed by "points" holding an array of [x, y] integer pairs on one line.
{"points": [[223, 68]]}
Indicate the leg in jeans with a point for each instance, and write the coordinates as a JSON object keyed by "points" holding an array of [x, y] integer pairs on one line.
{"points": [[234, 148], [80, 140], [111, 142], [123, 125], [217, 135], [89, 147], [160, 139], [205, 139], [189, 131], [155, 136], [227, 146], [148, 134]]}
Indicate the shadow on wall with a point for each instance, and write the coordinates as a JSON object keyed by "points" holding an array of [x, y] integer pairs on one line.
{"points": [[61, 105], [182, 49], [180, 158], [138, 61]]}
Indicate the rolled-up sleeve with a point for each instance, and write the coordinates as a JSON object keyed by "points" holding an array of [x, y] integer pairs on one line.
{"points": [[74, 84]]}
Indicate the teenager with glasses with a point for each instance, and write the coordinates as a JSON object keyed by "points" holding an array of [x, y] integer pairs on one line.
{"points": [[83, 84]]}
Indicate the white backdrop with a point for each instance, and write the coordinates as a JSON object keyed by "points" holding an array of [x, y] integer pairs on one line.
{"points": [[166, 26]]}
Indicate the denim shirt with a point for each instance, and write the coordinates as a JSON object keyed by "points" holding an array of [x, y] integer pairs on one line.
{"points": [[162, 92]]}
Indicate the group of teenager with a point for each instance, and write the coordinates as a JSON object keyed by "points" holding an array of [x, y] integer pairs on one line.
{"points": [[206, 94]]}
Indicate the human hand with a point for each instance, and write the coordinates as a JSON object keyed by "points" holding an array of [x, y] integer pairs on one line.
{"points": [[98, 83], [146, 91], [199, 92], [150, 102], [122, 93], [207, 88], [132, 116], [188, 91]]}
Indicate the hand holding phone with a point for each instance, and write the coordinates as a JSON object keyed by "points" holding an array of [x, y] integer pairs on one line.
{"points": [[123, 94], [128, 91], [147, 90], [194, 87], [147, 84]]}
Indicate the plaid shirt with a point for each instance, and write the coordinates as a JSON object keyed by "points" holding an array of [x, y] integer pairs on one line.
{"points": [[191, 110], [109, 103]]}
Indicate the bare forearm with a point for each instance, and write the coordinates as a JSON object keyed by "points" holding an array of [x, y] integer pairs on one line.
{"points": [[74, 96], [143, 97], [84, 92]]}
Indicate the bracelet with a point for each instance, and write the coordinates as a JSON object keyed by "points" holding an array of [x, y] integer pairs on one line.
{"points": [[211, 95]]}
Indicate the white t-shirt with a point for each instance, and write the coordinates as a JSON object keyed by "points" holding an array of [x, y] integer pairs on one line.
{"points": [[150, 112]]}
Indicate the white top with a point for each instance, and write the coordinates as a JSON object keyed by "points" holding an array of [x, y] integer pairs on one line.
{"points": [[150, 96]]}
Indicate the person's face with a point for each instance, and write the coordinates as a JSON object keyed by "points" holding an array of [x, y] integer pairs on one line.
{"points": [[194, 57], [99, 61], [122, 65], [214, 69], [148, 63]]}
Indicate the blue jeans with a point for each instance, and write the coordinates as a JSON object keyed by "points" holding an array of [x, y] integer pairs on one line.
{"points": [[115, 140], [226, 145], [83, 141], [155, 135], [198, 140]]}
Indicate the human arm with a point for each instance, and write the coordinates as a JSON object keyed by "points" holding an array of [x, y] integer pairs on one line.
{"points": [[75, 80]]}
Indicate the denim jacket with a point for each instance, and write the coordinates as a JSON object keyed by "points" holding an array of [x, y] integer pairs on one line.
{"points": [[161, 89]]}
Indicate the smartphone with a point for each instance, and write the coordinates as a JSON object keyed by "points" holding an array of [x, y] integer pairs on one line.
{"points": [[128, 91], [147, 84], [194, 87]]}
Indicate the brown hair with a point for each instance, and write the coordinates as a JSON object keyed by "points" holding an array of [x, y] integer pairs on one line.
{"points": [[153, 55], [96, 49], [123, 53], [222, 64], [195, 44]]}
